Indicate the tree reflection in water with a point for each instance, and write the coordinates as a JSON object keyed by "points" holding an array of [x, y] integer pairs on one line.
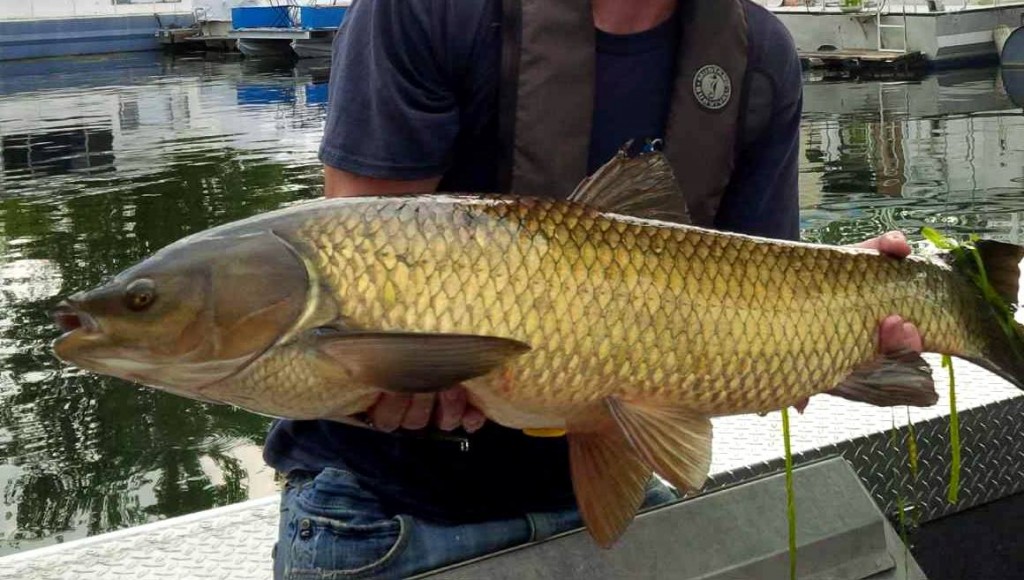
{"points": [[90, 453]]}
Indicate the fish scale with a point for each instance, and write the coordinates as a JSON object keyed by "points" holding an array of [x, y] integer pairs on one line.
{"points": [[684, 324]]}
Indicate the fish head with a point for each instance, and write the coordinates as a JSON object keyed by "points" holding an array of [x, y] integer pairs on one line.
{"points": [[192, 314]]}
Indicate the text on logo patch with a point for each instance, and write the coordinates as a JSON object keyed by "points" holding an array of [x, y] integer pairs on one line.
{"points": [[712, 87]]}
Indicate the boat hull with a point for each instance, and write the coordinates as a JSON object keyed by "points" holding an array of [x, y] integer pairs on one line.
{"points": [[950, 39], [38, 38]]}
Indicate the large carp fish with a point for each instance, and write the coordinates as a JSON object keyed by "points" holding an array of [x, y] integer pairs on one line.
{"points": [[599, 316]]}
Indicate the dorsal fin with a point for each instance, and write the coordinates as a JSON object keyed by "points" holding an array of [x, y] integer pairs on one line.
{"points": [[641, 185]]}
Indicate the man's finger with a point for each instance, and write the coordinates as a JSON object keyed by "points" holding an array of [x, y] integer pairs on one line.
{"points": [[472, 419], [417, 416], [893, 244], [896, 334], [389, 411], [912, 337], [451, 405]]}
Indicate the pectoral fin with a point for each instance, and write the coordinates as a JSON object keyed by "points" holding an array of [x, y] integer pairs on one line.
{"points": [[609, 481], [902, 378], [674, 442], [405, 362]]}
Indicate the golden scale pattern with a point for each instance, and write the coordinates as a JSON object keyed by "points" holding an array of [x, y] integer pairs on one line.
{"points": [[286, 382], [611, 306]]}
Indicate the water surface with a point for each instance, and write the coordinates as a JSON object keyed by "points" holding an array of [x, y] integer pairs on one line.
{"points": [[106, 159]]}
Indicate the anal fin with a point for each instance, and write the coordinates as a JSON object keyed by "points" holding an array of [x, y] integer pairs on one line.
{"points": [[608, 478], [902, 378], [673, 441]]}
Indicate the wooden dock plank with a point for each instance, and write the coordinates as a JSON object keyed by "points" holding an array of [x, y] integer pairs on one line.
{"points": [[864, 63], [863, 55]]}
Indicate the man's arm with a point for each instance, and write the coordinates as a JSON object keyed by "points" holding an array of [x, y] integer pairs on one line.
{"points": [[341, 183], [398, 70], [763, 196]]}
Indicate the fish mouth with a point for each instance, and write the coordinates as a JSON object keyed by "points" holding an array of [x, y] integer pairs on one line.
{"points": [[70, 319]]}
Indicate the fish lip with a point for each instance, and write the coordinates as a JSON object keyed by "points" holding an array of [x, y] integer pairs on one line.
{"points": [[71, 319]]}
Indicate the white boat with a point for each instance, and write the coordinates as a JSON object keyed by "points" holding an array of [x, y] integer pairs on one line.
{"points": [[44, 28], [313, 47], [41, 28], [944, 35]]}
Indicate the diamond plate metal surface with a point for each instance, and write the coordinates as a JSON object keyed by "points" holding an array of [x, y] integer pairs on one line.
{"points": [[991, 413], [231, 542], [235, 541], [992, 453]]}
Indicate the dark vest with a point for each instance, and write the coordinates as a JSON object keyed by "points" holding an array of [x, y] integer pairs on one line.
{"points": [[546, 98]]}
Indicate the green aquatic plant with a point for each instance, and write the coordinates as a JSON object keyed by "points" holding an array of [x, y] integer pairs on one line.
{"points": [[954, 435], [962, 252], [911, 447], [901, 509], [966, 257], [790, 503], [910, 441]]}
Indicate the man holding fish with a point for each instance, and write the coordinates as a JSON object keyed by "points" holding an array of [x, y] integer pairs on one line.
{"points": [[598, 316], [525, 96]]}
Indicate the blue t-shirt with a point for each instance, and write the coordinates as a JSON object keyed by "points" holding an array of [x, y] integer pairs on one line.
{"points": [[413, 94]]}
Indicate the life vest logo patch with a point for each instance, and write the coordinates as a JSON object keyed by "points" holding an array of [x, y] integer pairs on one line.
{"points": [[712, 87]]}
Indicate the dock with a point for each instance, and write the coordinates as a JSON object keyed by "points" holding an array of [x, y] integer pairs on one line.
{"points": [[283, 31], [236, 541], [288, 34], [865, 64], [861, 59], [218, 42]]}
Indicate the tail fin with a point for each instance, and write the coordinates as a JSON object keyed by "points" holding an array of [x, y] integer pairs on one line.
{"points": [[994, 268]]}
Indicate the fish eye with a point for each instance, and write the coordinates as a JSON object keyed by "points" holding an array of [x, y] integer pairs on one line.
{"points": [[140, 294]]}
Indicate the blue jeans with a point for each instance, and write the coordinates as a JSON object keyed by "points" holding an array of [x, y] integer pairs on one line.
{"points": [[333, 528]]}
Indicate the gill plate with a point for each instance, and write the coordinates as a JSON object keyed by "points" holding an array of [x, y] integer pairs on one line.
{"points": [[311, 307]]}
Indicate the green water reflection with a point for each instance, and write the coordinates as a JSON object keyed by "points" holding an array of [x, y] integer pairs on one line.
{"points": [[107, 159], [86, 194], [87, 449]]}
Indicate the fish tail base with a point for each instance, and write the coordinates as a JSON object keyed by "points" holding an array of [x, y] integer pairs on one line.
{"points": [[993, 268]]}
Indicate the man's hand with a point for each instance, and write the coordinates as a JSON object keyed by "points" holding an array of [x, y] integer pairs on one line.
{"points": [[448, 409], [894, 333]]}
